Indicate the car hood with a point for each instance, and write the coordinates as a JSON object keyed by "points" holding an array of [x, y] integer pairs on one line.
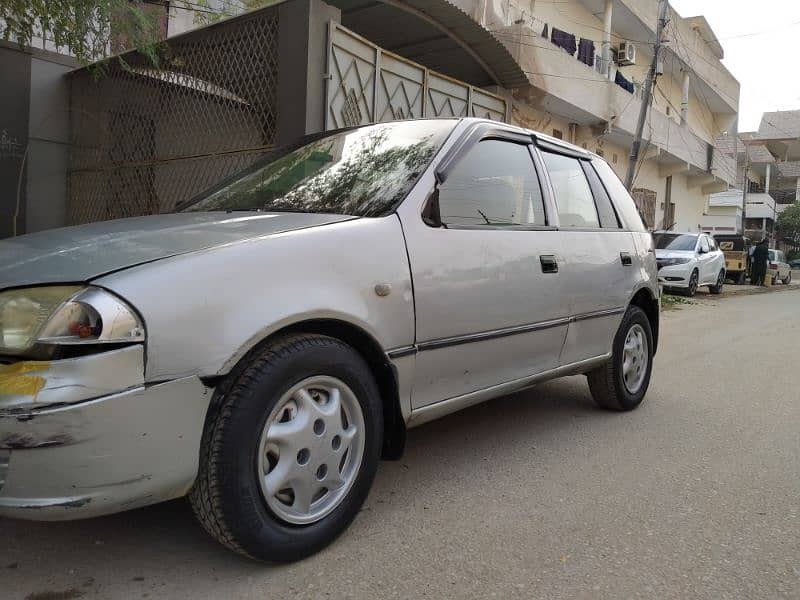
{"points": [[82, 253], [674, 253]]}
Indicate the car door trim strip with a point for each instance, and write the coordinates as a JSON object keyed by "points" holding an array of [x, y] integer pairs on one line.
{"points": [[498, 333]]}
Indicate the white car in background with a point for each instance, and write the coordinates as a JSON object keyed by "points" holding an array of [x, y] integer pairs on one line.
{"points": [[778, 267], [687, 261]]}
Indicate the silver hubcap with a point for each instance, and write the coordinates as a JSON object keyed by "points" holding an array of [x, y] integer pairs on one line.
{"points": [[311, 449], [634, 359]]}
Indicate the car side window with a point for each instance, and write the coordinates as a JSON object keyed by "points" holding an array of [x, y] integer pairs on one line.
{"points": [[712, 244], [494, 184], [608, 217], [704, 247], [574, 199]]}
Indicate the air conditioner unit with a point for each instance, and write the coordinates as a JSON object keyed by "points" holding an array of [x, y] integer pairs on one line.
{"points": [[626, 55]]}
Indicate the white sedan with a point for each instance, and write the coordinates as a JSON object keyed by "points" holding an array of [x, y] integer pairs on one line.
{"points": [[687, 261]]}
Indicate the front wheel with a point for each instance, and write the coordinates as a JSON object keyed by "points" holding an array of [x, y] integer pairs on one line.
{"points": [[289, 455], [717, 287], [622, 383], [694, 282]]}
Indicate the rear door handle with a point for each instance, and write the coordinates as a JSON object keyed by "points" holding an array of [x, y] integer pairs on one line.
{"points": [[627, 259], [549, 263]]}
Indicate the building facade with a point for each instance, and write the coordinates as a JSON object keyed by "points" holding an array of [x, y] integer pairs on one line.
{"points": [[144, 139]]}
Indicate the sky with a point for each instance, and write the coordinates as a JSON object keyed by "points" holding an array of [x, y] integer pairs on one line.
{"points": [[761, 40]]}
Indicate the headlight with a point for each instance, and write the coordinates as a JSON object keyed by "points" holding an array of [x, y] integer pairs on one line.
{"points": [[668, 262], [64, 315]]}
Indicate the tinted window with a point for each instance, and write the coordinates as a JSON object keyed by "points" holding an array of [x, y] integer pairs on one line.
{"points": [[626, 208], [675, 241], [576, 207], [771, 256], [494, 184], [363, 172], [608, 218]]}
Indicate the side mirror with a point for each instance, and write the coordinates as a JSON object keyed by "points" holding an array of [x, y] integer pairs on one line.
{"points": [[431, 215]]}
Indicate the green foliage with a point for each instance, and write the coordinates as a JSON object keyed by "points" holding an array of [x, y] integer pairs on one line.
{"points": [[789, 222], [90, 29], [207, 13]]}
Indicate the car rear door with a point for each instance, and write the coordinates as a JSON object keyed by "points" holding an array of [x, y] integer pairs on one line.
{"points": [[488, 284], [600, 264]]}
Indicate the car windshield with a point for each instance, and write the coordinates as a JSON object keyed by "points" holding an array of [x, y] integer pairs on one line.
{"points": [[675, 241], [362, 172]]}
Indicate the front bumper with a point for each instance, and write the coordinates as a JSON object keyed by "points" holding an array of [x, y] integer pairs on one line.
{"points": [[74, 457], [675, 276]]}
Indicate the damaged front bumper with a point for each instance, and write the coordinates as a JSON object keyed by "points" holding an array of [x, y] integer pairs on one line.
{"points": [[85, 437]]}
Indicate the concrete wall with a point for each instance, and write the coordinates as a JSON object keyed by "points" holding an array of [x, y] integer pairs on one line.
{"points": [[48, 157], [15, 67]]}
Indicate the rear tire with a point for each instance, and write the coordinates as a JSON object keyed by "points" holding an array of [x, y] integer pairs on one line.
{"points": [[288, 401], [742, 278], [788, 279], [618, 385], [717, 288]]}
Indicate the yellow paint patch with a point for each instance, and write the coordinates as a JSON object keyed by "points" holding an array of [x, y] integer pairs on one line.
{"points": [[15, 380]]}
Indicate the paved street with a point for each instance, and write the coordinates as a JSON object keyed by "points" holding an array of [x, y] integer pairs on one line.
{"points": [[538, 495]]}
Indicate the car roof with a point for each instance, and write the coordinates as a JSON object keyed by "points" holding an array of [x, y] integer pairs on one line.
{"points": [[694, 233], [536, 134]]}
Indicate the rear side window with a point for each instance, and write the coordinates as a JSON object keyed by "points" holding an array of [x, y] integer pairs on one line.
{"points": [[576, 207], [626, 208], [608, 218], [494, 185]]}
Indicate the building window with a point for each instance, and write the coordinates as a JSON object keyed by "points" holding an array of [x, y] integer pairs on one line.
{"points": [[614, 158], [557, 134]]}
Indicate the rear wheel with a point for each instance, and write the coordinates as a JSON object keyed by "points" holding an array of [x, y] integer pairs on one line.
{"points": [[289, 455], [741, 279], [622, 383], [788, 279], [717, 287]]}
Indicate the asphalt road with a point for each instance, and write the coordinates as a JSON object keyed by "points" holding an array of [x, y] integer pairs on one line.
{"points": [[537, 495]]}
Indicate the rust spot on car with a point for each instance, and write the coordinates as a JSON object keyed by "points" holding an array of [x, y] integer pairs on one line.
{"points": [[17, 379]]}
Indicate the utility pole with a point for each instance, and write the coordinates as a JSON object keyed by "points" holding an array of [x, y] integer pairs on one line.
{"points": [[647, 96]]}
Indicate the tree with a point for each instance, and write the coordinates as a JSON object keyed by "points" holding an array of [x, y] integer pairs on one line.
{"points": [[89, 29], [789, 223]]}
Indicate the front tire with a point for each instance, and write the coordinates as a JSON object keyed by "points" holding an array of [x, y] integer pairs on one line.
{"points": [[290, 453], [694, 282], [716, 289], [622, 382]]}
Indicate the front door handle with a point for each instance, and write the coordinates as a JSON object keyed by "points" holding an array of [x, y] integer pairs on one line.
{"points": [[549, 263], [627, 259]]}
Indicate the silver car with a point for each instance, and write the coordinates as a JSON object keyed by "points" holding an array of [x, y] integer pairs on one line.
{"points": [[264, 346]]}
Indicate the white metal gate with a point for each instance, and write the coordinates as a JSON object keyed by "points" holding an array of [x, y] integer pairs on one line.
{"points": [[367, 84]]}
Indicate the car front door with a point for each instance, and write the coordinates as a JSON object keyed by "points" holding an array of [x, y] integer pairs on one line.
{"points": [[600, 264], [707, 261], [486, 269]]}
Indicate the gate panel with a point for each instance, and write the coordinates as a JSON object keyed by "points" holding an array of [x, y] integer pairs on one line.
{"points": [[370, 85]]}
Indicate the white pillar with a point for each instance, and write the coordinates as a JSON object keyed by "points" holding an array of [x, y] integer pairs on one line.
{"points": [[685, 98], [766, 179], [797, 190], [607, 14]]}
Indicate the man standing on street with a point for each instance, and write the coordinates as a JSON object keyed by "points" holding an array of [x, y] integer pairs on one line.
{"points": [[758, 271]]}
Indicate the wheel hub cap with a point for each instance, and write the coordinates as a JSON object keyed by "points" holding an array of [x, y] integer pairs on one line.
{"points": [[311, 449], [634, 359]]}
